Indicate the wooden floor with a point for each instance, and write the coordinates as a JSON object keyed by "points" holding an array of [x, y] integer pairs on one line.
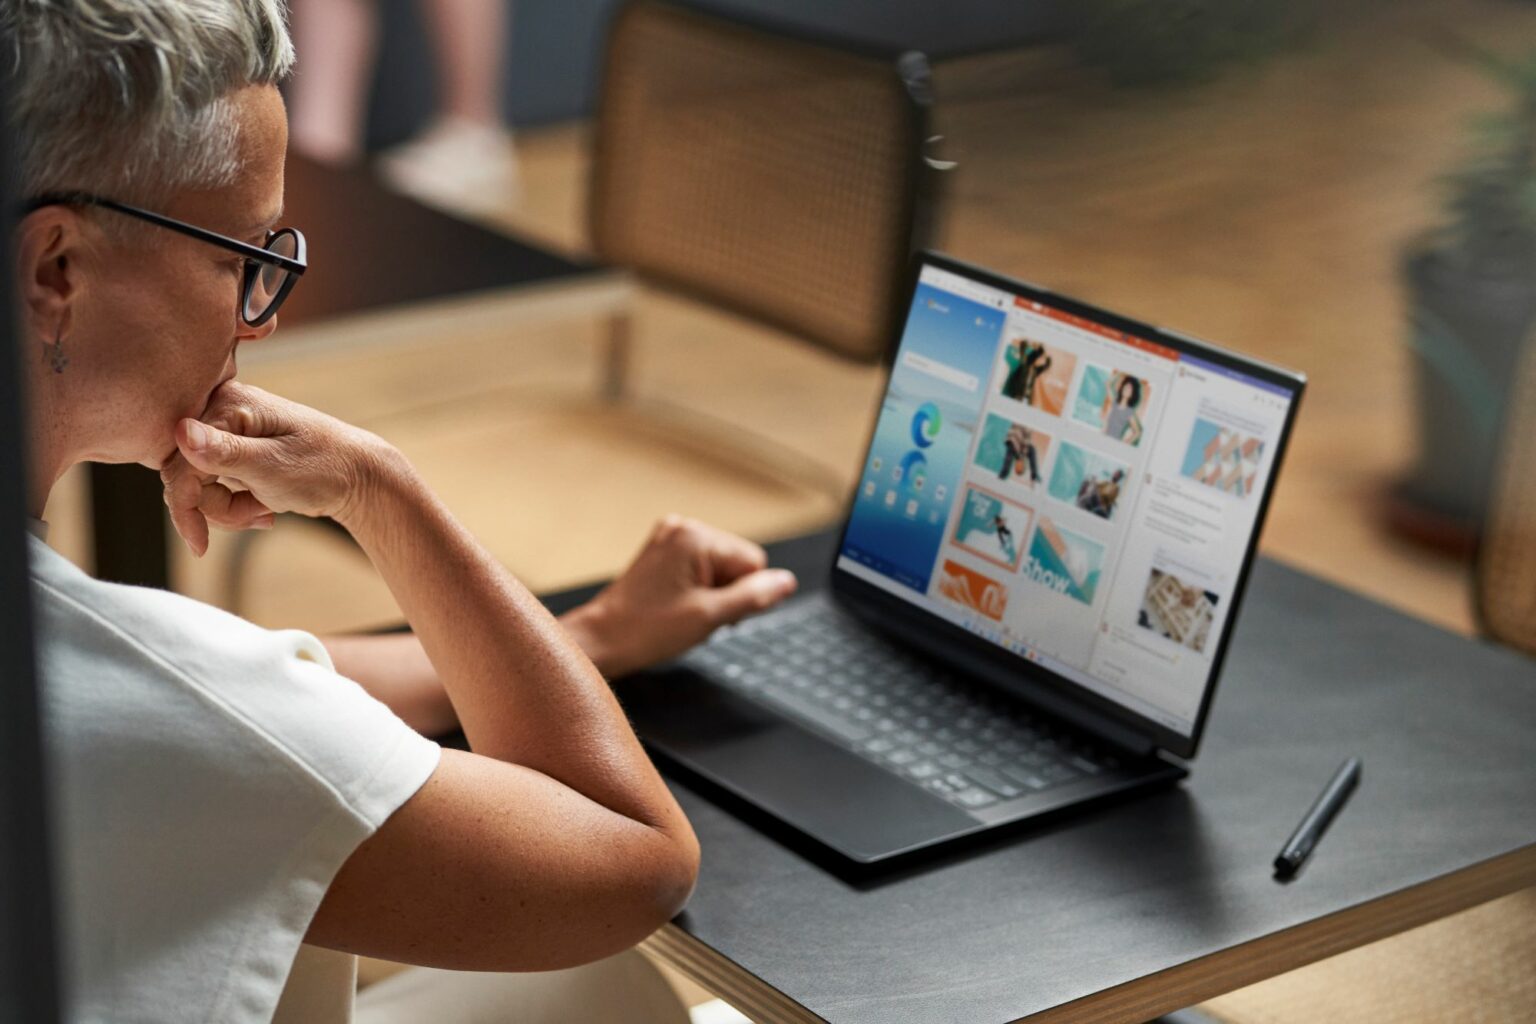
{"points": [[1267, 209]]}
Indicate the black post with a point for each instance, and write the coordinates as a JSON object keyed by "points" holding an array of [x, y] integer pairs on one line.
{"points": [[128, 522], [28, 982]]}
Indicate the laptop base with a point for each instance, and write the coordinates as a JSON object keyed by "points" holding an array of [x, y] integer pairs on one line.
{"points": [[863, 814]]}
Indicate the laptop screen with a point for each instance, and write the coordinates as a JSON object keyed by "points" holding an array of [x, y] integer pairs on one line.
{"points": [[1075, 488]]}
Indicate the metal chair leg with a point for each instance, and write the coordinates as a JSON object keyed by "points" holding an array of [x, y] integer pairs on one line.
{"points": [[616, 355]]}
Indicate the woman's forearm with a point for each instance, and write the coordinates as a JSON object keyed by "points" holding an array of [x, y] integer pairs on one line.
{"points": [[524, 690], [395, 670]]}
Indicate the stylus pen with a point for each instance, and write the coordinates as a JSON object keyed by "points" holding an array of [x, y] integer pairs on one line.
{"points": [[1294, 853]]}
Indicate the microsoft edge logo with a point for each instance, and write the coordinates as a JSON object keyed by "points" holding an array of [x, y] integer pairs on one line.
{"points": [[925, 429], [925, 425]]}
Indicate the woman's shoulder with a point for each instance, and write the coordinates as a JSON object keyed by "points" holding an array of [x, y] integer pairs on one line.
{"points": [[119, 663], [76, 609]]}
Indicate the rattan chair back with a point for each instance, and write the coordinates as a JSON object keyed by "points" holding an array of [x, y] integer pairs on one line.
{"points": [[768, 174], [1505, 580]]}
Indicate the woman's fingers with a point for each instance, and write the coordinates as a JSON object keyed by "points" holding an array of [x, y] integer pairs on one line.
{"points": [[192, 528], [183, 497], [233, 510], [197, 500]]}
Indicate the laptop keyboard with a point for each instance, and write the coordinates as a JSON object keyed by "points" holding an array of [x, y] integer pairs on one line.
{"points": [[969, 745]]}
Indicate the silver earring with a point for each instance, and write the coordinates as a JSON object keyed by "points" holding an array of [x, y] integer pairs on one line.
{"points": [[56, 357]]}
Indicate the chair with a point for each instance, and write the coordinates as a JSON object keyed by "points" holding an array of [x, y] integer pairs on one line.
{"points": [[763, 172], [1504, 582]]}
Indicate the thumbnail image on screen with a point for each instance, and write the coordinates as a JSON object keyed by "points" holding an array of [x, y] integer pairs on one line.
{"points": [[1012, 451], [1037, 374], [1093, 482], [1113, 401]]}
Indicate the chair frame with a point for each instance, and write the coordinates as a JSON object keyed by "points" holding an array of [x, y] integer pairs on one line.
{"points": [[910, 75], [1502, 493]]}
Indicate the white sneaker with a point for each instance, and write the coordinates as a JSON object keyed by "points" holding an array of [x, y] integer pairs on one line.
{"points": [[460, 166]]}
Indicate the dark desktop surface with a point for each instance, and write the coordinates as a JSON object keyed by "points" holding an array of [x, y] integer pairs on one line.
{"points": [[1053, 914]]}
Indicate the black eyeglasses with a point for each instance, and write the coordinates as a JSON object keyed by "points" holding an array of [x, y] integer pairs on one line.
{"points": [[271, 270]]}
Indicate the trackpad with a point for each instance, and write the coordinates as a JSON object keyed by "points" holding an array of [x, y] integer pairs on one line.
{"points": [[810, 783]]}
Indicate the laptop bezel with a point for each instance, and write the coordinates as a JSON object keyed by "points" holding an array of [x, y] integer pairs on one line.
{"points": [[1001, 668]]}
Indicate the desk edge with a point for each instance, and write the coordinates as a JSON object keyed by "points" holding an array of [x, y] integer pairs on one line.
{"points": [[1177, 987]]}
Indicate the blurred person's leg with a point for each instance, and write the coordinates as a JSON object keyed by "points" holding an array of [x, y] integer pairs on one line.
{"points": [[469, 42], [623, 989], [465, 159], [337, 41]]}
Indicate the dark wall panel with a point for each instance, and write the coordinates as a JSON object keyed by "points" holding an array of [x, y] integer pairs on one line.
{"points": [[553, 67]]}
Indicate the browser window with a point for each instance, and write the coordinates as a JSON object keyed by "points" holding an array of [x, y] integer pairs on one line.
{"points": [[1077, 495]]}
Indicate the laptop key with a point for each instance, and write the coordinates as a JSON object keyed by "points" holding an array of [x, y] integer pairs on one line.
{"points": [[1083, 764], [993, 781], [1024, 777], [1057, 772], [922, 769], [974, 798], [844, 728]]}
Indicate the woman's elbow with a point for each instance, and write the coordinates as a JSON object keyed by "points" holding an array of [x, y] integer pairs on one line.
{"points": [[676, 882]]}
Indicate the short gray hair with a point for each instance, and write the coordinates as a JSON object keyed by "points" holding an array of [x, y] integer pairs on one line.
{"points": [[131, 97]]}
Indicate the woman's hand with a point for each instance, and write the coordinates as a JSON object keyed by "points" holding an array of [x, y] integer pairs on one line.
{"points": [[251, 455], [687, 581]]}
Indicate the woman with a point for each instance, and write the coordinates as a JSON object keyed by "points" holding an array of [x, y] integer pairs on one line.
{"points": [[1123, 423], [1027, 363], [225, 792], [1019, 453]]}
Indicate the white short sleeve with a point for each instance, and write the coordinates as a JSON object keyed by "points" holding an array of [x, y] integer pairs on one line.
{"points": [[210, 777]]}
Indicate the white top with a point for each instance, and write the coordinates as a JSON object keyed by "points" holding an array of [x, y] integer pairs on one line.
{"points": [[209, 779]]}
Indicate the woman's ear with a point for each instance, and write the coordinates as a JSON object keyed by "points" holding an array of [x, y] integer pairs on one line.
{"points": [[48, 279]]}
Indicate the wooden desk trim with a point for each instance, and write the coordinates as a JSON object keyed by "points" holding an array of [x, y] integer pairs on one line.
{"points": [[744, 990], [1175, 988], [420, 325]]}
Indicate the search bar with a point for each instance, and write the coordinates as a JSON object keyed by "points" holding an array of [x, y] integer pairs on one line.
{"points": [[939, 371]]}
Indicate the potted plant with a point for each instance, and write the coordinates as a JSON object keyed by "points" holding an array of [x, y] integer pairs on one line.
{"points": [[1472, 301]]}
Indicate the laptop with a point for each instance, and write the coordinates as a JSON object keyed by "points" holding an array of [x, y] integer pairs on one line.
{"points": [[1035, 585]]}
